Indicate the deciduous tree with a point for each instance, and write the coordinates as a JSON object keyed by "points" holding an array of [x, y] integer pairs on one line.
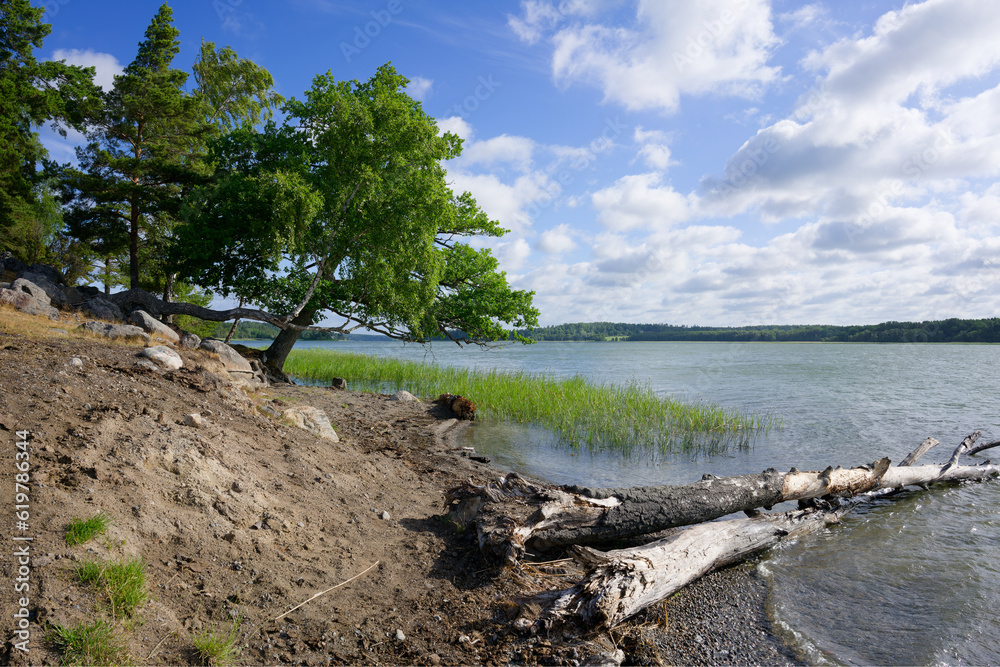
{"points": [[344, 212]]}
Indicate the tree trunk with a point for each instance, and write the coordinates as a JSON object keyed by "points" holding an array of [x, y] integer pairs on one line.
{"points": [[168, 295], [621, 583], [545, 517], [133, 248], [275, 355]]}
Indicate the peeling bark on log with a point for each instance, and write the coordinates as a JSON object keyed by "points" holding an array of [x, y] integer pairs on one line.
{"points": [[623, 582], [576, 515], [626, 581]]}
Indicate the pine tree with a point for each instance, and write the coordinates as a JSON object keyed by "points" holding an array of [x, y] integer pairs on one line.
{"points": [[143, 154]]}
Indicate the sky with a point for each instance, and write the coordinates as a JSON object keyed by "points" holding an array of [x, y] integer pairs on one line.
{"points": [[696, 162]]}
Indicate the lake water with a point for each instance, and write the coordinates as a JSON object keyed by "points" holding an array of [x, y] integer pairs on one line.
{"points": [[913, 580]]}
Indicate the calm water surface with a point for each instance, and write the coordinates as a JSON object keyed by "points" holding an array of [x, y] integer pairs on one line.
{"points": [[910, 581]]}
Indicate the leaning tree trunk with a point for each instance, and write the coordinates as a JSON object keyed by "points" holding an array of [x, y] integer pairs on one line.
{"points": [[275, 355]]}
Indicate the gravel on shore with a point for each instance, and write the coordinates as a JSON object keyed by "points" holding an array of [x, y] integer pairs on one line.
{"points": [[721, 619]]}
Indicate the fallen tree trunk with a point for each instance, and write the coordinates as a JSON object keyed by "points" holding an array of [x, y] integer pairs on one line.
{"points": [[621, 583], [563, 516]]}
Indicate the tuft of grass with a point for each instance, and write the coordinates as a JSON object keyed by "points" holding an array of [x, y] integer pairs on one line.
{"points": [[80, 530], [123, 583], [219, 649], [630, 418], [94, 643]]}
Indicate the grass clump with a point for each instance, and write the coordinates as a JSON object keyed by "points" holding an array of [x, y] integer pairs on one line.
{"points": [[94, 643], [630, 417], [80, 530], [123, 582], [219, 648]]}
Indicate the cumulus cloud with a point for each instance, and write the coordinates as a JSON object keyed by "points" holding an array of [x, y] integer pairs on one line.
{"points": [[640, 201], [106, 66], [664, 50], [557, 240], [419, 87]]}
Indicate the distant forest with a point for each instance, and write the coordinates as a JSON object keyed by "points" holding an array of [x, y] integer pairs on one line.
{"points": [[943, 331]]}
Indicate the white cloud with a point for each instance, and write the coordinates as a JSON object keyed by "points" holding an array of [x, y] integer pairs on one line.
{"points": [[879, 128], [456, 125], [557, 240], [654, 148], [106, 66], [640, 201], [419, 87], [669, 49], [504, 149]]}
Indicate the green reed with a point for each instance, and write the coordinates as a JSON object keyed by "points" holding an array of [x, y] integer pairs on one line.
{"points": [[629, 417]]}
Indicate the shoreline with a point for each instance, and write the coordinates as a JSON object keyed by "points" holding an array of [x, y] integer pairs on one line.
{"points": [[246, 516]]}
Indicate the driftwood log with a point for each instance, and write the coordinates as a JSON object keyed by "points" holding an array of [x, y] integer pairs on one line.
{"points": [[620, 583]]}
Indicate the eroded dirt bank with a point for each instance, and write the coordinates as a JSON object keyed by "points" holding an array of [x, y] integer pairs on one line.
{"points": [[247, 516]]}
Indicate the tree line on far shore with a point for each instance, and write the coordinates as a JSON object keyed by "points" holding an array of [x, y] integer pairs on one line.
{"points": [[951, 330]]}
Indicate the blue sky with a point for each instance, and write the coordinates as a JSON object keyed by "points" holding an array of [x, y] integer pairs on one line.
{"points": [[711, 162]]}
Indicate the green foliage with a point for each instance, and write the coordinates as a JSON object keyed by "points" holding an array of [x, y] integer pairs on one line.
{"points": [[96, 643], [344, 210], [630, 418], [235, 92], [122, 582], [142, 155], [80, 530], [944, 331], [31, 93]]}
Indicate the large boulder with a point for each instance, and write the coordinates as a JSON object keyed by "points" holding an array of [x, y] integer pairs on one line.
{"points": [[125, 332], [164, 356], [26, 303], [190, 341], [313, 420], [230, 358], [242, 372], [9, 263], [51, 273], [150, 324], [32, 289], [55, 293], [102, 309]]}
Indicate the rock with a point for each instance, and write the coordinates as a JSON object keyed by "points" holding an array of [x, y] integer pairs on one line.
{"points": [[405, 397], [150, 324], [189, 341], [194, 420], [50, 273], [338, 383], [36, 291], [27, 304], [75, 363], [400, 637], [148, 365], [52, 290], [313, 420], [385, 516], [10, 263], [115, 331], [88, 292], [231, 359], [102, 309], [164, 356]]}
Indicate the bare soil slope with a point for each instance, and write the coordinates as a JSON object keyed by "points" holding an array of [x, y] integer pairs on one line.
{"points": [[245, 515]]}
